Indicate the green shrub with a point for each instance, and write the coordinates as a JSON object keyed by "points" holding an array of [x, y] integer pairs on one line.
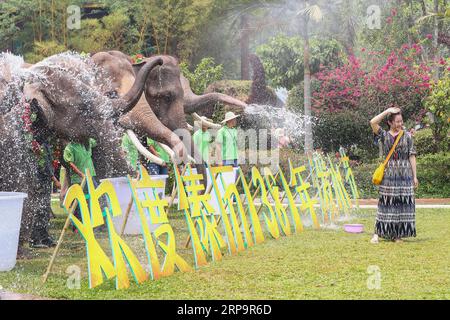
{"points": [[423, 140], [433, 172], [348, 129], [204, 74], [425, 144], [363, 177], [44, 49], [438, 103], [282, 58]]}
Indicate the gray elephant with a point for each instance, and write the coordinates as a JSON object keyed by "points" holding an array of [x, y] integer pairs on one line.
{"points": [[161, 113], [71, 98]]}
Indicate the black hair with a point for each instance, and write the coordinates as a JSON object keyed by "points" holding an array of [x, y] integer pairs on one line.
{"points": [[391, 118]]}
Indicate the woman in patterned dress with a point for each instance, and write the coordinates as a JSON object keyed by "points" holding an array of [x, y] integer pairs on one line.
{"points": [[396, 217]]}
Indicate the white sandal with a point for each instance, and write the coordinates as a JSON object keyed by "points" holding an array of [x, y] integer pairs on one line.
{"points": [[374, 239]]}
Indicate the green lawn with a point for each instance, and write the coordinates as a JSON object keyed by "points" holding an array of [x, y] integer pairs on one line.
{"points": [[325, 264]]}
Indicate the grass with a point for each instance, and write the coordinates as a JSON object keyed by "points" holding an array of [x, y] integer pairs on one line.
{"points": [[324, 264]]}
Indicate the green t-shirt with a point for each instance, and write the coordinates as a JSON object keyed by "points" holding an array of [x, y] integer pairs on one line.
{"points": [[227, 138], [131, 151], [162, 154], [80, 156], [202, 140]]}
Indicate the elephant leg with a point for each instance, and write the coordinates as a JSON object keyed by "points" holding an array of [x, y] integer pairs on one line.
{"points": [[40, 220]]}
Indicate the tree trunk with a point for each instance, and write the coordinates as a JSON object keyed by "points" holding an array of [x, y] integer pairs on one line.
{"points": [[245, 50], [435, 41], [410, 21], [424, 8], [307, 90]]}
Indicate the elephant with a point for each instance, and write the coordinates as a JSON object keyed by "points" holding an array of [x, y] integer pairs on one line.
{"points": [[71, 98], [161, 113], [141, 121]]}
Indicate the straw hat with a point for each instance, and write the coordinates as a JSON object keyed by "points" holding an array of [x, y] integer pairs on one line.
{"points": [[230, 116]]}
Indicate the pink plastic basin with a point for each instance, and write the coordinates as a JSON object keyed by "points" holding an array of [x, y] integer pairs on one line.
{"points": [[354, 228]]}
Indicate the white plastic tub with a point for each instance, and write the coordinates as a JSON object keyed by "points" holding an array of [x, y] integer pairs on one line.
{"points": [[227, 179], [123, 191], [222, 183], [11, 206]]}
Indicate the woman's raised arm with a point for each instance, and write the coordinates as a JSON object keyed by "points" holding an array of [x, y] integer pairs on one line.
{"points": [[375, 122]]}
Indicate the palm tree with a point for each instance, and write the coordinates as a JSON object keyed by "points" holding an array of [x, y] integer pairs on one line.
{"points": [[249, 18], [438, 17], [308, 13]]}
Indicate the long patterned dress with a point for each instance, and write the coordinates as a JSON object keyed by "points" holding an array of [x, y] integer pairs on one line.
{"points": [[396, 216]]}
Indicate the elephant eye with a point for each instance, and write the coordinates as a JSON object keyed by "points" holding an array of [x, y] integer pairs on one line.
{"points": [[112, 94]]}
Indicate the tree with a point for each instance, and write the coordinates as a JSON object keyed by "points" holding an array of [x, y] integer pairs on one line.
{"points": [[282, 57], [173, 25], [438, 103], [206, 73], [250, 17], [309, 12]]}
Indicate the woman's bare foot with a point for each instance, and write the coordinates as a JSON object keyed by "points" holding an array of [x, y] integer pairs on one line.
{"points": [[374, 239]]}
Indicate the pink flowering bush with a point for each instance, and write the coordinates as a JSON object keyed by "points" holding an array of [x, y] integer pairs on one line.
{"points": [[375, 85]]}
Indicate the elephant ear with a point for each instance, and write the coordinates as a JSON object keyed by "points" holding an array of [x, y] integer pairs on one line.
{"points": [[194, 103], [39, 103]]}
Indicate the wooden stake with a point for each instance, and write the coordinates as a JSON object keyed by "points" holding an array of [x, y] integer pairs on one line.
{"points": [[61, 237], [127, 213], [174, 189]]}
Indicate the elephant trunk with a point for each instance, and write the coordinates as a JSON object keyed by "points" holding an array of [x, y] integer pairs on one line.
{"points": [[132, 97], [193, 103], [197, 103]]}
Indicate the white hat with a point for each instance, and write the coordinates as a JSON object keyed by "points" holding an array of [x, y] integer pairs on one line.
{"points": [[230, 116]]}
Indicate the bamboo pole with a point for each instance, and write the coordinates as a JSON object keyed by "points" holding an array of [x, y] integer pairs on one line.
{"points": [[61, 237], [127, 213], [174, 189]]}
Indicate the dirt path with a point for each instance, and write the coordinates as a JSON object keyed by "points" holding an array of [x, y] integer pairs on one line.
{"points": [[16, 296], [418, 201]]}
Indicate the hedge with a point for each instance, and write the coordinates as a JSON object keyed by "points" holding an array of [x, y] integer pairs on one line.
{"points": [[433, 172]]}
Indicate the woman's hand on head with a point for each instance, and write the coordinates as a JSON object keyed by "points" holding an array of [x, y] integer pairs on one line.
{"points": [[394, 110]]}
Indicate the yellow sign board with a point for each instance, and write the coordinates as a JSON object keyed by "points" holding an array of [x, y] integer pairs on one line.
{"points": [[275, 209]]}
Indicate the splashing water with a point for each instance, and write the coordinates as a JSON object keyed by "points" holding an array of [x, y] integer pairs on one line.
{"points": [[63, 77], [292, 123], [87, 79], [282, 94]]}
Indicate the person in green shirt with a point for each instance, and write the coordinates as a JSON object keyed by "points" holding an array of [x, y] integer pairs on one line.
{"points": [[202, 139], [157, 150], [79, 158], [226, 141], [131, 151]]}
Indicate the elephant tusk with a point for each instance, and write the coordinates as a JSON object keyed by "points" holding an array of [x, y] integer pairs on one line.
{"points": [[210, 124], [191, 160], [190, 128], [172, 153], [169, 151], [142, 150]]}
